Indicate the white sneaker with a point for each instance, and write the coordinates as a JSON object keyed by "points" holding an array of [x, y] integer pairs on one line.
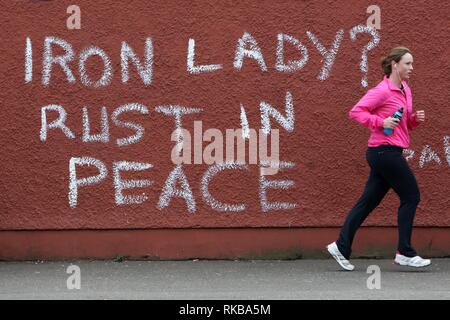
{"points": [[334, 251], [416, 261]]}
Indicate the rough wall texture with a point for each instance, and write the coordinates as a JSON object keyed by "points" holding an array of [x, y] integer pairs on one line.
{"points": [[325, 146]]}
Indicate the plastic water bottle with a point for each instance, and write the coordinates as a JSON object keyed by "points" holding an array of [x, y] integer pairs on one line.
{"points": [[397, 115]]}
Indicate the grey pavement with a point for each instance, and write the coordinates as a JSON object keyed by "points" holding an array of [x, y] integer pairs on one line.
{"points": [[218, 279]]}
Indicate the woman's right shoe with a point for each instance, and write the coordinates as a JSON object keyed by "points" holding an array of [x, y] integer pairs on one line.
{"points": [[337, 255], [416, 261]]}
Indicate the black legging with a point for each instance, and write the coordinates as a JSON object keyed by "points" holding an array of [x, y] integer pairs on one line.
{"points": [[388, 169]]}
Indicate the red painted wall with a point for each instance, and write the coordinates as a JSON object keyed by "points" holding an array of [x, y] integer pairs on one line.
{"points": [[326, 147]]}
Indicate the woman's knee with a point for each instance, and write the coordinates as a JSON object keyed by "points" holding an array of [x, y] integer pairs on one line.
{"points": [[412, 199]]}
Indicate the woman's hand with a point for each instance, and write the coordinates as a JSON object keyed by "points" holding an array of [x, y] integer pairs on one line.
{"points": [[390, 123], [420, 115]]}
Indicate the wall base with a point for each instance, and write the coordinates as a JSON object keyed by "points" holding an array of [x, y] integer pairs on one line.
{"points": [[181, 244]]}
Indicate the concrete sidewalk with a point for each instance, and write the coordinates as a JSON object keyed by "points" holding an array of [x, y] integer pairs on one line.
{"points": [[227, 280]]}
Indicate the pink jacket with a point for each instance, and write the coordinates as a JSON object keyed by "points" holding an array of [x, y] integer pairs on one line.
{"points": [[381, 102]]}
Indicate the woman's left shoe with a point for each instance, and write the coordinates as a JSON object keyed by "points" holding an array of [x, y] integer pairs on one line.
{"points": [[416, 261]]}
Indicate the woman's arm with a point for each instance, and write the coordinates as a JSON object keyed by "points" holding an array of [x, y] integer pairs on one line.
{"points": [[415, 119], [362, 111]]}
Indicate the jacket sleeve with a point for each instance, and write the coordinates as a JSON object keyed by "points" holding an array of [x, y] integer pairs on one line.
{"points": [[412, 122], [362, 112]]}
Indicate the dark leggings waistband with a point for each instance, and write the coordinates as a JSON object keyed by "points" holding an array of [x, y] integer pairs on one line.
{"points": [[385, 147]]}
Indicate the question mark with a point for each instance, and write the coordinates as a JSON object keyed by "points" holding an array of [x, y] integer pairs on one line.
{"points": [[372, 44]]}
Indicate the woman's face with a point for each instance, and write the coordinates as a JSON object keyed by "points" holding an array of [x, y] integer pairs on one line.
{"points": [[404, 66]]}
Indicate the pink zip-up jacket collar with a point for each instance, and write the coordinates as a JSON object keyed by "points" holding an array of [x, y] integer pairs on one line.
{"points": [[380, 103]]}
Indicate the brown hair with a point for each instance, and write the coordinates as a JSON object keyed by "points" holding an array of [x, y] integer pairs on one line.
{"points": [[395, 55]]}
